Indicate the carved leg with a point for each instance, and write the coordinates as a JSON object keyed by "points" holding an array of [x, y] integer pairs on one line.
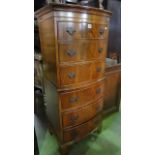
{"points": [[95, 134], [99, 129], [64, 149]]}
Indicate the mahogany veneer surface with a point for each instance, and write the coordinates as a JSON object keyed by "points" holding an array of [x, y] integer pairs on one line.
{"points": [[73, 44]]}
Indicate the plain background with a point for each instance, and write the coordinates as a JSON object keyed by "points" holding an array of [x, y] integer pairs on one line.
{"points": [[16, 77]]}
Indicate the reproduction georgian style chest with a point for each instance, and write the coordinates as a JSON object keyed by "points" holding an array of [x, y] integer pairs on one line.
{"points": [[73, 45]]}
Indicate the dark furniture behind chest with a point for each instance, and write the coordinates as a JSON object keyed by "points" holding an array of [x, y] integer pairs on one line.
{"points": [[113, 89], [73, 45], [114, 44], [115, 27]]}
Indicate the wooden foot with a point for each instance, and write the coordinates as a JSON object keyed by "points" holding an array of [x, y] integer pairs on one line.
{"points": [[95, 134], [64, 149], [99, 129]]}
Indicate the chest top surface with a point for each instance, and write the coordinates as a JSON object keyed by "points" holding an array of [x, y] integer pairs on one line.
{"points": [[71, 8]]}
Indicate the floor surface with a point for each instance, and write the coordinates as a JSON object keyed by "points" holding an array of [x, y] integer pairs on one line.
{"points": [[107, 142]]}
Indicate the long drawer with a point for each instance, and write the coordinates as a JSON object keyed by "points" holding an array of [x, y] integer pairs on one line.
{"points": [[82, 50], [76, 74], [81, 131], [81, 30], [81, 97], [81, 115]]}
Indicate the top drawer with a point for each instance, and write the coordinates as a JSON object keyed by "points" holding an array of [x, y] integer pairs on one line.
{"points": [[75, 30]]}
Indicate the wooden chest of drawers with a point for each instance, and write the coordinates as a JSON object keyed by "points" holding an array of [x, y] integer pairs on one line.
{"points": [[73, 45]]}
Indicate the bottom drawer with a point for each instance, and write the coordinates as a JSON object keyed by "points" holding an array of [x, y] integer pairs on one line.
{"points": [[81, 115], [79, 132]]}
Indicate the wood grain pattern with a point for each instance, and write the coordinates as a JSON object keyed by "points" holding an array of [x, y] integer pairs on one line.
{"points": [[46, 29], [78, 98], [84, 50], [76, 74], [81, 131], [74, 44], [81, 115], [82, 30]]}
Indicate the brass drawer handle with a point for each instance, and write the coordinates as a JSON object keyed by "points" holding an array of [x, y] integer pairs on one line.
{"points": [[70, 30], [73, 118], [98, 90], [71, 75], [71, 53], [98, 69], [73, 99], [101, 31], [100, 50]]}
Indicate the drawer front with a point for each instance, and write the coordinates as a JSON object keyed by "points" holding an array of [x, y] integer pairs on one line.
{"points": [[80, 97], [81, 131], [83, 30], [82, 50], [77, 74], [82, 114]]}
